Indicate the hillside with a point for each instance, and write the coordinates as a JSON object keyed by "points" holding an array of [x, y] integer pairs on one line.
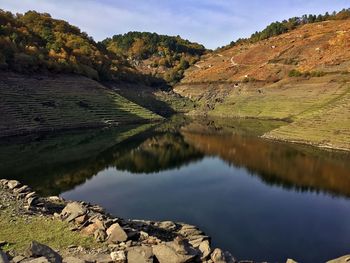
{"points": [[162, 56], [301, 76], [47, 103]]}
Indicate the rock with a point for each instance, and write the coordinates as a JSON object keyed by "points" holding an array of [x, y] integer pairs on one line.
{"points": [[3, 257], [116, 234], [99, 258], [72, 211], [142, 254], [81, 219], [100, 235], [22, 189], [29, 195], [204, 248], [168, 225], [177, 251], [99, 223], [54, 199], [89, 230], [37, 250], [12, 184], [73, 260], [18, 259], [218, 256], [37, 260], [118, 256], [343, 259], [32, 201]]}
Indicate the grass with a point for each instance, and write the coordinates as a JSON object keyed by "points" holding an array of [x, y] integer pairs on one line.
{"points": [[19, 231], [30, 104]]}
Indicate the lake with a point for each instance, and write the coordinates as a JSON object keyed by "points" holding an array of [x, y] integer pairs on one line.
{"points": [[259, 199]]}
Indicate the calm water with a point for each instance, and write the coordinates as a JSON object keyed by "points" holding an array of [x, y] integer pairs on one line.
{"points": [[258, 199]]}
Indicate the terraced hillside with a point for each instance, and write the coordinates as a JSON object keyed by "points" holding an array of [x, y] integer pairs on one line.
{"points": [[302, 76], [36, 103]]}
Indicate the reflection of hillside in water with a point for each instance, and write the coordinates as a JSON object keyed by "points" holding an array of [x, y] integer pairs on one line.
{"points": [[292, 166], [54, 164]]}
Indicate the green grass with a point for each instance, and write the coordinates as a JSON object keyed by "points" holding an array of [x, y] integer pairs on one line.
{"points": [[19, 231]]}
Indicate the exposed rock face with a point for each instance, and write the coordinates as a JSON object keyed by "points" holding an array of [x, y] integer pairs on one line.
{"points": [[37, 250]]}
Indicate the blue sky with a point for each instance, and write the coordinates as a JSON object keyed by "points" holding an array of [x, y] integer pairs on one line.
{"points": [[210, 22]]}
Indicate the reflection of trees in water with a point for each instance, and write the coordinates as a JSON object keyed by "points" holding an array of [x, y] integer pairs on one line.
{"points": [[54, 164], [290, 166]]}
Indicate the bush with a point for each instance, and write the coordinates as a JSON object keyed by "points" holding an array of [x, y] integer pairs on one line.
{"points": [[295, 73]]}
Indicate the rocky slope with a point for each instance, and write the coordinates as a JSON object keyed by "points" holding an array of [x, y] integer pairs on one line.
{"points": [[301, 76]]}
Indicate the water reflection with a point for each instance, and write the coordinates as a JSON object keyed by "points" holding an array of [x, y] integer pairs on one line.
{"points": [[215, 174], [57, 163]]}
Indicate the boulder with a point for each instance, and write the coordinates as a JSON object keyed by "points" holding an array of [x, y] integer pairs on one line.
{"points": [[141, 254], [39, 250], [218, 256], [72, 211], [204, 248], [118, 256], [178, 251], [100, 235], [343, 259], [22, 189], [116, 234], [3, 257], [89, 230], [81, 219], [12, 184]]}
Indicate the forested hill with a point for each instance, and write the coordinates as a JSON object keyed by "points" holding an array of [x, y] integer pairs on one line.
{"points": [[35, 42], [160, 55]]}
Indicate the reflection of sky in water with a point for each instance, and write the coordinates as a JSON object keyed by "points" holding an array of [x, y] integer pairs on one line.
{"points": [[240, 212]]}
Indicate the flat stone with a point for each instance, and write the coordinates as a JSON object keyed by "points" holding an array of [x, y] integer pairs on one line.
{"points": [[73, 260], [32, 201], [100, 258], [116, 234], [31, 194], [72, 211], [343, 259], [3, 257], [18, 259], [37, 250], [141, 254]]}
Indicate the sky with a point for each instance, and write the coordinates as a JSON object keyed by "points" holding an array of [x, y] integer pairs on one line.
{"points": [[212, 23]]}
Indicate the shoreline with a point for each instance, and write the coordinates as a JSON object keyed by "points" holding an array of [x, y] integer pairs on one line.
{"points": [[132, 240]]}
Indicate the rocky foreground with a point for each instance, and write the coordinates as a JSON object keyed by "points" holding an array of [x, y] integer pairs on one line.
{"points": [[132, 241]]}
